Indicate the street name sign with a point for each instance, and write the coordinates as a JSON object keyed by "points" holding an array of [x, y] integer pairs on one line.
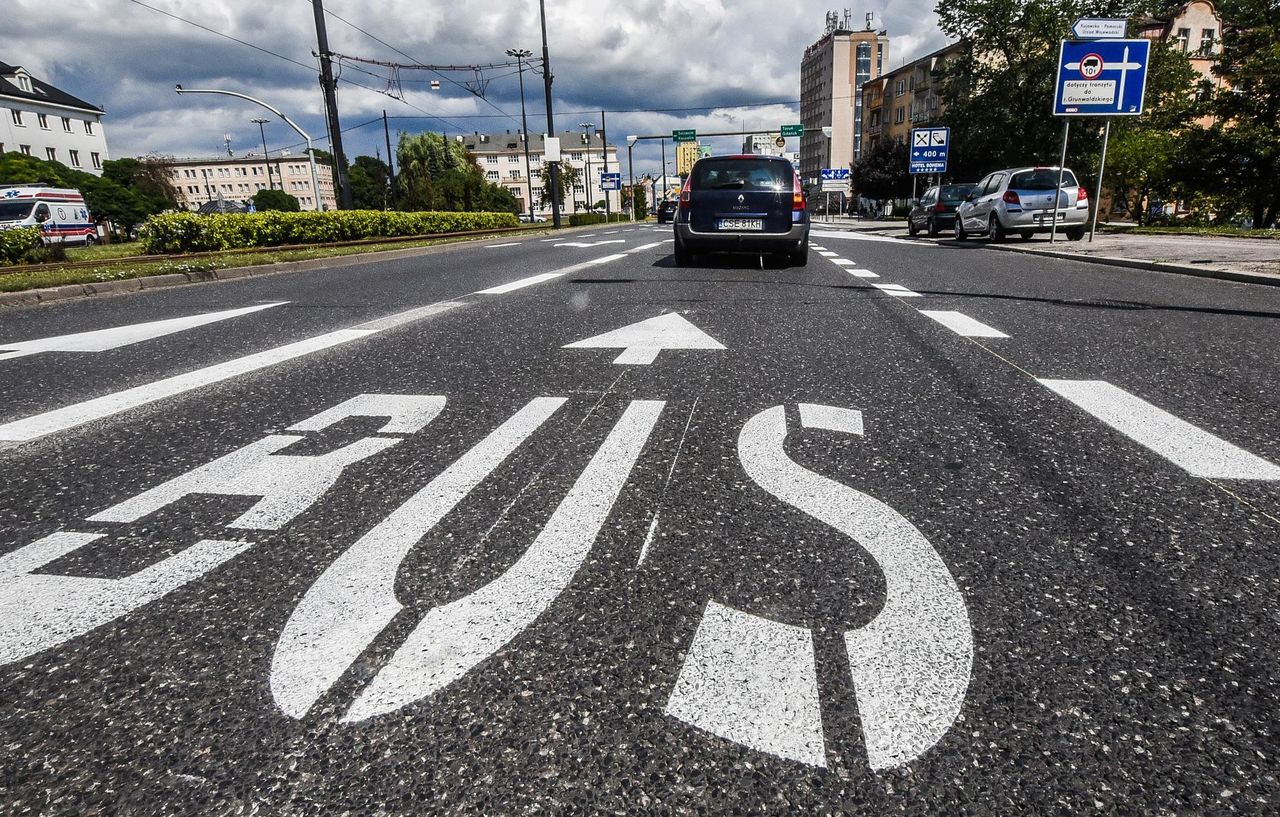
{"points": [[792, 130], [929, 150], [1101, 78], [684, 135], [610, 181], [1099, 28]]}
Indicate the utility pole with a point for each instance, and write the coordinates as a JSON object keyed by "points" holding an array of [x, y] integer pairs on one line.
{"points": [[587, 127], [265, 158], [522, 54], [391, 167], [604, 154], [551, 126], [330, 88]]}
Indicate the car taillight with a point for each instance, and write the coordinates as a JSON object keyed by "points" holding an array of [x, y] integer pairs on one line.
{"points": [[1011, 197], [684, 198], [939, 208], [1082, 195], [797, 194]]}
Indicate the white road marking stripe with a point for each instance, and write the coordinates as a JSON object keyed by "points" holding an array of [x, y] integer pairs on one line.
{"points": [[502, 289], [604, 260], [495, 246], [38, 425], [648, 539], [962, 324], [897, 289], [859, 237], [100, 340], [452, 639], [643, 247], [862, 273], [642, 341], [753, 681], [408, 316], [827, 253], [844, 262], [1192, 449], [355, 599], [586, 244]]}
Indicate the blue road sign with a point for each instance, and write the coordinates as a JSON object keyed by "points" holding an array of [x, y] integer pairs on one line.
{"points": [[610, 181], [929, 148], [1101, 78], [835, 174]]}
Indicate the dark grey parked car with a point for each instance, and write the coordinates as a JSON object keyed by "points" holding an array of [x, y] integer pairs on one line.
{"points": [[935, 211]]}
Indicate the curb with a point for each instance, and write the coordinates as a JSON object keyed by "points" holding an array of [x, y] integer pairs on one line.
{"points": [[35, 297], [1150, 266]]}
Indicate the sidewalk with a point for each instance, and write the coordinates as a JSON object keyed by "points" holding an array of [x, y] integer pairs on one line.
{"points": [[1241, 259]]}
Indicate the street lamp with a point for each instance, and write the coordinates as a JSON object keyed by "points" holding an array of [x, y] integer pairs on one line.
{"points": [[547, 77], [265, 158], [315, 174], [631, 174], [587, 127], [522, 54]]}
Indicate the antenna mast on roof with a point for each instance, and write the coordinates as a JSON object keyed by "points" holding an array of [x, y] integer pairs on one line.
{"points": [[226, 140], [871, 19]]}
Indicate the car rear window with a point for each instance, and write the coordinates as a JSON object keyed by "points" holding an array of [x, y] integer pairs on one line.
{"points": [[952, 193], [1041, 179], [741, 174]]}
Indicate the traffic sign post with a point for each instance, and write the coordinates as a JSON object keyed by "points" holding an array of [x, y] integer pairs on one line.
{"points": [[1100, 77], [929, 149], [834, 180]]}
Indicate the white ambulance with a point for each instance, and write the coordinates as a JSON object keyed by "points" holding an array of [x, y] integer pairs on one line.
{"points": [[60, 213]]}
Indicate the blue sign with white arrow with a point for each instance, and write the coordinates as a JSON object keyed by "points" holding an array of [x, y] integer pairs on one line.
{"points": [[610, 181], [1101, 78], [835, 174], [929, 148]]}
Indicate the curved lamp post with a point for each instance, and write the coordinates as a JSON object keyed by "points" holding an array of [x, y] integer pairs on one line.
{"points": [[315, 175]]}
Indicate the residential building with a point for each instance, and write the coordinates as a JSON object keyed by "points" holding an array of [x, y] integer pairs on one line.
{"points": [[832, 73], [40, 120], [906, 97], [501, 157], [237, 178], [1195, 29], [763, 144]]}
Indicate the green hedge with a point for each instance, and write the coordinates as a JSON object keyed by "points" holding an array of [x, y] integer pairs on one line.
{"points": [[191, 232], [16, 243], [583, 219]]}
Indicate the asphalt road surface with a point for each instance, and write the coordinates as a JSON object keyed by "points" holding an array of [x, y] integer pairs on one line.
{"points": [[557, 527]]}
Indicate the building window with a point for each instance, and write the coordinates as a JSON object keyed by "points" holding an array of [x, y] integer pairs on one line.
{"points": [[43, 121], [899, 115], [51, 154], [96, 160], [24, 83], [1183, 40], [88, 127], [66, 124], [17, 117], [1208, 37], [900, 88], [491, 175], [491, 160], [512, 159], [25, 150], [75, 158], [515, 174]]}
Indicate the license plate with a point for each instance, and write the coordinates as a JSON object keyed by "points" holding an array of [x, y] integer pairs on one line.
{"points": [[740, 224], [1047, 218]]}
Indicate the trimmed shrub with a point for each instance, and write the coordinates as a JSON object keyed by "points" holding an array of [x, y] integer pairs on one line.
{"points": [[16, 244], [584, 219], [191, 232]]}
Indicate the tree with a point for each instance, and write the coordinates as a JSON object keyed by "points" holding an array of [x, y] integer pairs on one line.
{"points": [[639, 202], [277, 200], [128, 191], [882, 173], [368, 177], [437, 174], [569, 177]]}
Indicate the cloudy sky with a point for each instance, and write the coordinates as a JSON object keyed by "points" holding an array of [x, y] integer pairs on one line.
{"points": [[636, 58]]}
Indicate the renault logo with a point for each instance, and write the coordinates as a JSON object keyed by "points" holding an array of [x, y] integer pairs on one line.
{"points": [[741, 198]]}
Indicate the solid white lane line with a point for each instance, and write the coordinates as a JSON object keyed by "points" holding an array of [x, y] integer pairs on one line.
{"points": [[452, 639], [408, 316], [502, 289], [1192, 449], [495, 246], [100, 340], [962, 324], [753, 681], [896, 289], [38, 425]]}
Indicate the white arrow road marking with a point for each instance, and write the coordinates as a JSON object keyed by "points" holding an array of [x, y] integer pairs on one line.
{"points": [[752, 681], [592, 243], [451, 640], [1192, 449], [100, 340], [897, 289], [354, 599], [42, 610], [962, 324], [911, 664], [642, 341]]}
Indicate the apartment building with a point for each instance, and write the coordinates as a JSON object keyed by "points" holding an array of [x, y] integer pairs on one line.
{"points": [[832, 73], [906, 97], [501, 157], [237, 178], [1195, 29], [37, 119]]}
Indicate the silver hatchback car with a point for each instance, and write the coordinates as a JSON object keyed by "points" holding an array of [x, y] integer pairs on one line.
{"points": [[1021, 200]]}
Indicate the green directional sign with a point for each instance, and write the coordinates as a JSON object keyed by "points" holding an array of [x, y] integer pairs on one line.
{"points": [[688, 135], [792, 130]]}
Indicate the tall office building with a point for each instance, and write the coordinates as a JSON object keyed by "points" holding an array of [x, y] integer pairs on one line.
{"points": [[832, 73]]}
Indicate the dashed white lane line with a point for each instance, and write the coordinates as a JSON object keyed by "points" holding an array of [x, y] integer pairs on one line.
{"points": [[753, 681], [827, 254], [1192, 449], [643, 247], [897, 290], [495, 246], [844, 262], [592, 243], [864, 273], [502, 289], [962, 324]]}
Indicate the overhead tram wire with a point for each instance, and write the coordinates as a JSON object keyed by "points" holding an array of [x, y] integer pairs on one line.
{"points": [[269, 52]]}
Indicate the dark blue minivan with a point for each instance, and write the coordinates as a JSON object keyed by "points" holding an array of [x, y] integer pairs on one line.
{"points": [[745, 203]]}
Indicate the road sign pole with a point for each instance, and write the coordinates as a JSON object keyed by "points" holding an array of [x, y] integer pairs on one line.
{"points": [[1102, 167], [1066, 131]]}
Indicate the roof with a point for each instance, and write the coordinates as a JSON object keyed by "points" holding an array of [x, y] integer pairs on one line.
{"points": [[570, 141], [41, 91]]}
